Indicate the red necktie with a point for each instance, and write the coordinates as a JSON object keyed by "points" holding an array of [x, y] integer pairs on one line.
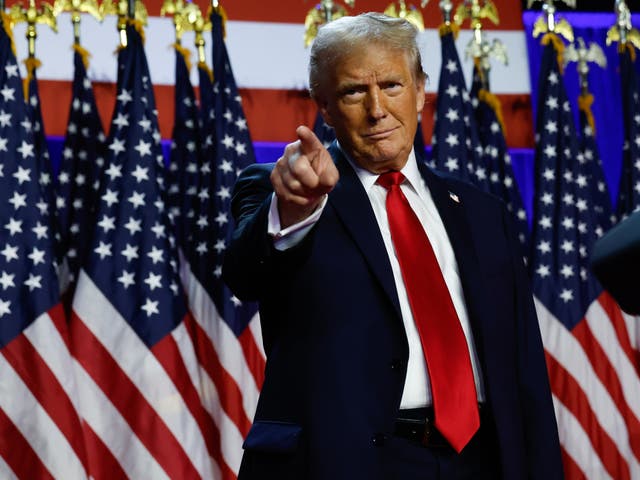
{"points": [[443, 342]]}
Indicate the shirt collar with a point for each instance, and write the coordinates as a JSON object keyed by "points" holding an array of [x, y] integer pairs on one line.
{"points": [[368, 179]]}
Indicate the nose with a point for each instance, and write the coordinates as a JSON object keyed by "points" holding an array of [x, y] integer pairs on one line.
{"points": [[375, 105]]}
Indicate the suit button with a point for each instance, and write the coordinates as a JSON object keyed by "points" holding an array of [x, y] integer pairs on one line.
{"points": [[396, 364], [378, 439]]}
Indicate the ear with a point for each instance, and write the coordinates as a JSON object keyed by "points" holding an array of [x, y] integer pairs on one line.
{"points": [[324, 110]]}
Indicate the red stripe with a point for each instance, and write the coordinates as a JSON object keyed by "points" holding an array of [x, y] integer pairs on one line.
{"points": [[571, 395], [215, 438], [129, 401], [291, 107], [295, 11], [228, 391], [59, 319], [253, 356], [45, 387], [17, 452], [104, 465], [609, 378], [571, 469], [614, 313]]}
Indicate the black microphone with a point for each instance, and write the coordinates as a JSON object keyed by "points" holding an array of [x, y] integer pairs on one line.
{"points": [[615, 261]]}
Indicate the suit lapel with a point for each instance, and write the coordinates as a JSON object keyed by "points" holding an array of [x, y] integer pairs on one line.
{"points": [[352, 206]]}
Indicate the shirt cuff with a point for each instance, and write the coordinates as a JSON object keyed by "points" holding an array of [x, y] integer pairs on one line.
{"points": [[291, 236]]}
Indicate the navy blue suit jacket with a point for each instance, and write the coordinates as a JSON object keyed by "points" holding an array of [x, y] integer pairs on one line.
{"points": [[335, 341]]}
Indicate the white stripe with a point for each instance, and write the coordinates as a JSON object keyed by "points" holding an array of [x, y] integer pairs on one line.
{"points": [[563, 346], [107, 423], [262, 54], [577, 444], [222, 337], [605, 334], [633, 327], [142, 367], [5, 471], [230, 437], [49, 443], [46, 339]]}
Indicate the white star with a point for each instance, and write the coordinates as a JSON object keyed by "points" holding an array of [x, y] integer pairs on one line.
{"points": [[125, 97], [10, 253], [241, 148], [8, 93], [452, 140], [5, 119], [221, 219], [114, 171], [451, 66], [6, 280], [155, 255], [220, 246], [40, 230], [12, 70], [566, 271], [33, 282], [117, 146], [121, 120], [545, 222], [110, 197], [137, 199], [36, 256], [107, 223], [14, 226], [552, 103], [26, 149], [452, 91], [452, 115], [126, 279], [140, 173], [144, 148], [150, 307], [227, 141], [566, 295], [22, 175], [130, 252], [452, 164], [543, 271], [153, 281], [104, 250], [133, 225], [18, 200], [4, 307], [241, 123], [158, 230], [3, 148]]}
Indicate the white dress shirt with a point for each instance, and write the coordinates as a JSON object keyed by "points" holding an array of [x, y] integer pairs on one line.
{"points": [[417, 390]]}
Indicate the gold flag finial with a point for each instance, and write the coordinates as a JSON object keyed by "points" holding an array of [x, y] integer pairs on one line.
{"points": [[583, 55], [324, 12], [32, 16], [622, 31], [121, 9], [187, 17], [76, 7], [475, 11], [547, 22], [410, 13]]}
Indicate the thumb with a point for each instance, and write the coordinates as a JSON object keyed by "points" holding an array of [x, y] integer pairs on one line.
{"points": [[309, 142]]}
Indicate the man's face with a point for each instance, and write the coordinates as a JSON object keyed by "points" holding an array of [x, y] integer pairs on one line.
{"points": [[372, 101]]}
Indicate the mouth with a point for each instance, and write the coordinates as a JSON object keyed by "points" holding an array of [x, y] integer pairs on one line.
{"points": [[379, 135]]}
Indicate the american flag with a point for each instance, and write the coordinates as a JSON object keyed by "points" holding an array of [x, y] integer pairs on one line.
{"points": [[77, 182], [229, 344], [137, 373], [456, 144], [589, 156], [502, 181], [323, 131], [185, 149], [40, 433], [594, 381], [629, 190]]}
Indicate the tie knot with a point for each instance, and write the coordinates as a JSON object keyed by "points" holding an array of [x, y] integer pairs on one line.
{"points": [[388, 179]]}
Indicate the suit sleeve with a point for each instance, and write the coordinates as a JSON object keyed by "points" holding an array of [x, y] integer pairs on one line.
{"points": [[252, 265], [541, 431]]}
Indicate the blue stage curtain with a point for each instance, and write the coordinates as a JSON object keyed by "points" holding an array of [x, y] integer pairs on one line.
{"points": [[604, 84]]}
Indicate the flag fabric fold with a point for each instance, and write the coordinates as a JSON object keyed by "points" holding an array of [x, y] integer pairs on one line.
{"points": [[594, 382], [137, 372], [502, 181], [456, 144], [629, 187], [77, 182], [40, 433]]}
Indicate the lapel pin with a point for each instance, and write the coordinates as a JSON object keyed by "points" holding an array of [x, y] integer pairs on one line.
{"points": [[454, 197]]}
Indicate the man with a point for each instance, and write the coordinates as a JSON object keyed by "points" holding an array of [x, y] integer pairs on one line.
{"points": [[360, 382]]}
